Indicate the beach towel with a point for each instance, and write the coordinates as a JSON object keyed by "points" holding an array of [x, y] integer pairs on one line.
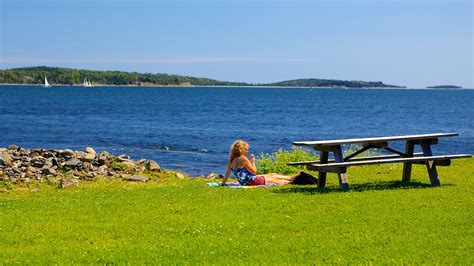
{"points": [[237, 185]]}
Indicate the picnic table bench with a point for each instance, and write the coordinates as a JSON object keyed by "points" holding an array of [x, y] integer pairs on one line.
{"points": [[340, 163]]}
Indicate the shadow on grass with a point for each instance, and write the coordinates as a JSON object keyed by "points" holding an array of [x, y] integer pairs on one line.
{"points": [[382, 185]]}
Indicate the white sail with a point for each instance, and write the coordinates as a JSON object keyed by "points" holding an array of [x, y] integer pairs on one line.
{"points": [[46, 84], [86, 83]]}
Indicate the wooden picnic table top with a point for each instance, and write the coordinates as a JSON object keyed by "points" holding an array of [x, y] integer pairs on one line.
{"points": [[372, 139]]}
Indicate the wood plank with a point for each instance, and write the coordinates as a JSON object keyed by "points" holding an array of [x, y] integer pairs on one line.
{"points": [[354, 154], [430, 141], [446, 162], [398, 152], [396, 160], [323, 143], [430, 165], [377, 144], [322, 175], [325, 148], [322, 168], [343, 169], [390, 156], [409, 148], [342, 177]]}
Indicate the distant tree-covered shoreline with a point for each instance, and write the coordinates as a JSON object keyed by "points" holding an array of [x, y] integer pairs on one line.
{"points": [[444, 87], [332, 83], [69, 76]]}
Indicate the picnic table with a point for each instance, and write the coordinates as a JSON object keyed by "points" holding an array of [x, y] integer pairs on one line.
{"points": [[340, 163]]}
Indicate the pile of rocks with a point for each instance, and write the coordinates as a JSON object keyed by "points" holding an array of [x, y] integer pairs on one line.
{"points": [[27, 165]]}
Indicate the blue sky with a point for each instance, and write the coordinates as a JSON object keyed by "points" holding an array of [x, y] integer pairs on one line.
{"points": [[415, 43]]}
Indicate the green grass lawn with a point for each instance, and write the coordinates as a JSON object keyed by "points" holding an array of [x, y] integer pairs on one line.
{"points": [[184, 221]]}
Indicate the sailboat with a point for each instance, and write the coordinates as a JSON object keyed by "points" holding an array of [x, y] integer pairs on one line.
{"points": [[86, 83], [46, 84]]}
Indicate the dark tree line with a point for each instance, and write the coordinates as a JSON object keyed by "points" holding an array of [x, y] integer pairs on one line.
{"points": [[69, 76], [331, 83]]}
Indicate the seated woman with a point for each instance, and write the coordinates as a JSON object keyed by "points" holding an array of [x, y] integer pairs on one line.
{"points": [[245, 170]]}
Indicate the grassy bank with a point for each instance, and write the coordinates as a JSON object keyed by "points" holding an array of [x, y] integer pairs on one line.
{"points": [[184, 221]]}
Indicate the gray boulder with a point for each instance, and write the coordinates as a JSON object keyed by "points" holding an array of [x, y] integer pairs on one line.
{"points": [[153, 166], [90, 175], [103, 157], [89, 157], [102, 170], [123, 157], [72, 163], [137, 178], [142, 161], [212, 176], [65, 183], [48, 171], [67, 152], [31, 169], [24, 152], [7, 159], [90, 150], [13, 147], [48, 163], [128, 163], [37, 161]]}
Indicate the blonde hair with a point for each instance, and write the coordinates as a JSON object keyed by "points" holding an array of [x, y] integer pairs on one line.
{"points": [[237, 149]]}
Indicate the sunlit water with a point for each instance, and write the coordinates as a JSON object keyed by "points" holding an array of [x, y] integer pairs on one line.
{"points": [[190, 129]]}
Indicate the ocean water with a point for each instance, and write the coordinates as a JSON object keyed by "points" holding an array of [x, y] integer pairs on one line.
{"points": [[191, 129]]}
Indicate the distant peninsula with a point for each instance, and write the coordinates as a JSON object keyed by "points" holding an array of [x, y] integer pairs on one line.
{"points": [[69, 76], [451, 87]]}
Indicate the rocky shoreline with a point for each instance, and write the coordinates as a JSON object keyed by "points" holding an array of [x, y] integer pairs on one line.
{"points": [[67, 167]]}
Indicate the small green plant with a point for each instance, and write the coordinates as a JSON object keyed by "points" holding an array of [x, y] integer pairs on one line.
{"points": [[51, 181], [117, 164], [277, 162], [6, 185], [123, 167]]}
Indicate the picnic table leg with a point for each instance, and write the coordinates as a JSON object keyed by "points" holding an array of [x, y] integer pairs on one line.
{"points": [[430, 165], [409, 148], [323, 159], [341, 176]]}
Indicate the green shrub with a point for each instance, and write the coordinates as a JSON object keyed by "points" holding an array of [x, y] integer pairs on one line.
{"points": [[119, 165], [276, 162], [6, 185]]}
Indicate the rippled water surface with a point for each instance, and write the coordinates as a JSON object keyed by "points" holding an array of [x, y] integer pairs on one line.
{"points": [[190, 129]]}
